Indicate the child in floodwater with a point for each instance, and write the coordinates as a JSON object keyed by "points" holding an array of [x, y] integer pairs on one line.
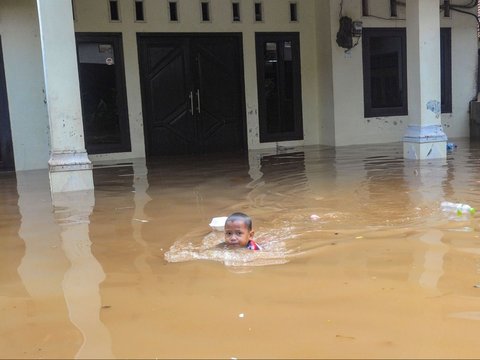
{"points": [[239, 231]]}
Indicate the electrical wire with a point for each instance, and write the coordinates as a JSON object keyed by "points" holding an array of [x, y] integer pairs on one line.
{"points": [[356, 43], [457, 8], [473, 3], [384, 18], [454, 8]]}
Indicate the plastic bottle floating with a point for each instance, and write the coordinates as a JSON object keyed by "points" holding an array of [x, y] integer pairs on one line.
{"points": [[451, 146], [456, 208]]}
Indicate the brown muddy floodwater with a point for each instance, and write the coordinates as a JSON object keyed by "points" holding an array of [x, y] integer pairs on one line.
{"points": [[132, 271]]}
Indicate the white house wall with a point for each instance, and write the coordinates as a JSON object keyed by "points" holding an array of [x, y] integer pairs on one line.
{"points": [[464, 73], [332, 81], [351, 127], [22, 57], [92, 16]]}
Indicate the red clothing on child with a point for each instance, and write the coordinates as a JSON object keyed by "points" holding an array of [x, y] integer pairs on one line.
{"points": [[252, 245]]}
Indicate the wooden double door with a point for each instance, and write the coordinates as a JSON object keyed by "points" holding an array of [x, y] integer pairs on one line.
{"points": [[192, 93]]}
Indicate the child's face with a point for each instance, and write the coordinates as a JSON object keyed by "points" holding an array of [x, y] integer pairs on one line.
{"points": [[237, 233]]}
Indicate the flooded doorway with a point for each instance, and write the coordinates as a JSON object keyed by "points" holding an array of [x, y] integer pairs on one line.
{"points": [[279, 86], [192, 91], [103, 93], [6, 149]]}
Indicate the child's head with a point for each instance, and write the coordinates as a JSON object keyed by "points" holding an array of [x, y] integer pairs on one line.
{"points": [[238, 229]]}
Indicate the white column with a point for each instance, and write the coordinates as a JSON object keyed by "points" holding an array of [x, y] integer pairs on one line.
{"points": [[69, 166], [424, 137]]}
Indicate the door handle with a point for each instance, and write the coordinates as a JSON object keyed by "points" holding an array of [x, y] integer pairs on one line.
{"points": [[198, 100], [191, 102]]}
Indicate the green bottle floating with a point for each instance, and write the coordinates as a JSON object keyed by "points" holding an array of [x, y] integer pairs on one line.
{"points": [[457, 208]]}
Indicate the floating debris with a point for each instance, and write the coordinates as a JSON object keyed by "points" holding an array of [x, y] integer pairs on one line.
{"points": [[451, 146], [345, 337]]}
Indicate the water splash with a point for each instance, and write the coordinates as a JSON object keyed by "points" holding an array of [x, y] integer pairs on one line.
{"points": [[211, 247]]}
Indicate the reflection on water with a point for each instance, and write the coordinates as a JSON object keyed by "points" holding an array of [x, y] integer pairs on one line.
{"points": [[469, 315], [81, 281], [430, 261], [58, 272], [361, 260]]}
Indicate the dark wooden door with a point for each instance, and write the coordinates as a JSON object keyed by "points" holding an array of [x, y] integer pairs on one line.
{"points": [[6, 148], [192, 91], [167, 94], [220, 85]]}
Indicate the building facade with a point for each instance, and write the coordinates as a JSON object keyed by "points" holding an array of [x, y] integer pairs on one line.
{"points": [[91, 80]]}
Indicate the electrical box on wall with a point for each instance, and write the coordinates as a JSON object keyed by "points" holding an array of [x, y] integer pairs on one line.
{"points": [[347, 31], [344, 34], [357, 27]]}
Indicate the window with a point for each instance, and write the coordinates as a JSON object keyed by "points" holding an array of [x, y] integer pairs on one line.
{"points": [[365, 8], [6, 149], [393, 8], [446, 8], [236, 11], [205, 6], [114, 12], [384, 72], [446, 69], [73, 11], [139, 12], [258, 11], [172, 8], [293, 12]]}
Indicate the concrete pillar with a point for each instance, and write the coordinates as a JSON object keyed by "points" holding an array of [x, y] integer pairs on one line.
{"points": [[424, 137], [69, 166]]}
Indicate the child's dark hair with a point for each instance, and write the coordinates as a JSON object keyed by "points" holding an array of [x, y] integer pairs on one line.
{"points": [[238, 216]]}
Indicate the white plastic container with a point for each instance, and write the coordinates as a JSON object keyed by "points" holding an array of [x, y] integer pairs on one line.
{"points": [[456, 208], [218, 223]]}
